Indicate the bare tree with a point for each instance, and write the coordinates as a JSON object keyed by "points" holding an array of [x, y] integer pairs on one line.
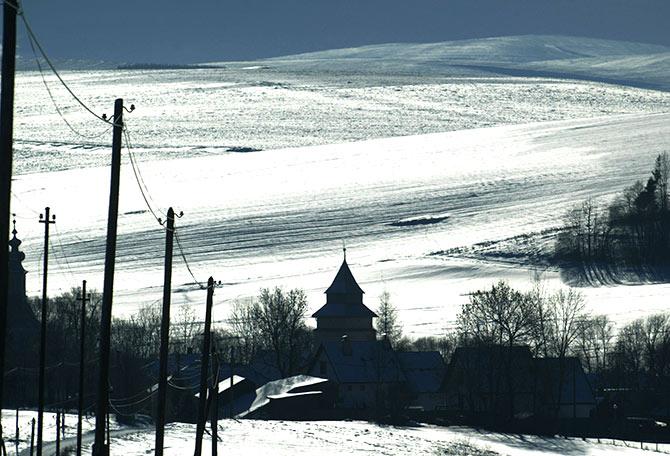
{"points": [[277, 321], [387, 319], [501, 315], [566, 309], [595, 335]]}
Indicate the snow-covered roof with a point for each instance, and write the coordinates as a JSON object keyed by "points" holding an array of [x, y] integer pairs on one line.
{"points": [[287, 395], [279, 387], [224, 385]]}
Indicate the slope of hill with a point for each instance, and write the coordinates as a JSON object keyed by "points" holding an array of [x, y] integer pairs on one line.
{"points": [[636, 64], [279, 217]]}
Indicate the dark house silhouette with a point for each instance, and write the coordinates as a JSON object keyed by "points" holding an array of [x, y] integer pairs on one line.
{"points": [[500, 382], [491, 382]]}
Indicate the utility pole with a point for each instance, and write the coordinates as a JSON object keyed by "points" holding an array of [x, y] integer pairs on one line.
{"points": [[232, 376], [84, 298], [204, 368], [215, 404], [58, 433], [165, 335], [44, 218], [6, 138], [32, 436], [100, 448]]}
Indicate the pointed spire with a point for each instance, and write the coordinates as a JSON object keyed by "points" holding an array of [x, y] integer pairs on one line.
{"points": [[15, 256], [344, 249]]}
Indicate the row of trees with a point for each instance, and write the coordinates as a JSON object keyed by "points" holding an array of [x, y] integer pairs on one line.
{"points": [[557, 325], [630, 235]]}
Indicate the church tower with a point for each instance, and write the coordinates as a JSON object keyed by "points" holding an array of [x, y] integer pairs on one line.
{"points": [[22, 326], [344, 312]]}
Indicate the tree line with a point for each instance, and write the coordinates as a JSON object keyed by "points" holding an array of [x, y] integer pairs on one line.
{"points": [[636, 358], [629, 236]]}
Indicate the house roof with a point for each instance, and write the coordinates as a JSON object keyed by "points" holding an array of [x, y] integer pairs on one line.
{"points": [[481, 368], [424, 371], [291, 385], [369, 361], [573, 374]]}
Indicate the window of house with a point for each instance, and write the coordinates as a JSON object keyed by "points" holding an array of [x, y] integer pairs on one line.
{"points": [[362, 387], [323, 368], [348, 387]]}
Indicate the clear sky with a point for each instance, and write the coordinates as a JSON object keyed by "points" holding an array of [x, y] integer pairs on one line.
{"points": [[172, 31]]}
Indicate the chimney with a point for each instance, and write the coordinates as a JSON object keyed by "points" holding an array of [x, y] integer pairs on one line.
{"points": [[346, 346]]}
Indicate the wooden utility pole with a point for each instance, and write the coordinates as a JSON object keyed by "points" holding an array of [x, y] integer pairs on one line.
{"points": [[232, 376], [58, 433], [215, 404], [100, 448], [6, 137], [32, 437], [44, 218], [16, 435], [204, 369], [84, 298], [165, 335]]}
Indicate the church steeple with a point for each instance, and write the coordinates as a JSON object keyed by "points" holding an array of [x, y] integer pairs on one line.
{"points": [[17, 274], [344, 312]]}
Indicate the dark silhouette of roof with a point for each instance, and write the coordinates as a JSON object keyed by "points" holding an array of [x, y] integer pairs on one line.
{"points": [[344, 282], [424, 371], [344, 297], [575, 385], [369, 361]]}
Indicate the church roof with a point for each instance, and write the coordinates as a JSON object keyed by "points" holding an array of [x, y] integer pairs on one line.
{"points": [[344, 282], [344, 310], [345, 297]]}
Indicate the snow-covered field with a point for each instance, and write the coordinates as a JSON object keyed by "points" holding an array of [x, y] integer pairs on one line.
{"points": [[290, 438], [383, 143], [49, 432]]}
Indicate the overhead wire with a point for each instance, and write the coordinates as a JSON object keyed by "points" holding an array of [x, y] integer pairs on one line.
{"points": [[32, 36], [53, 100], [146, 196]]}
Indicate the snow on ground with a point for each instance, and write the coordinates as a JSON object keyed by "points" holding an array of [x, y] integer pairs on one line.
{"points": [[637, 64], [49, 431], [325, 438], [279, 217], [462, 156], [339, 96]]}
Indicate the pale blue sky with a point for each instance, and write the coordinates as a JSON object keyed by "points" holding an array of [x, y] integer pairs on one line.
{"points": [[171, 31]]}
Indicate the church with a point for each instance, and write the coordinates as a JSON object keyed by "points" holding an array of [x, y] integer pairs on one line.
{"points": [[344, 313], [22, 328], [369, 374]]}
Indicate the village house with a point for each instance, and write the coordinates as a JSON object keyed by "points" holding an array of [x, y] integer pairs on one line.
{"points": [[500, 382]]}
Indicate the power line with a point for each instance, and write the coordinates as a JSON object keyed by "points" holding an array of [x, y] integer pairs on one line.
{"points": [[144, 191], [53, 100], [188, 266], [31, 34]]}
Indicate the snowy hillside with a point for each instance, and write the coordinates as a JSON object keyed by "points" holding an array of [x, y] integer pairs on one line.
{"points": [[279, 217], [620, 62]]}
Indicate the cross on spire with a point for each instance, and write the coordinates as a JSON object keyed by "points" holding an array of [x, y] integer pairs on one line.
{"points": [[344, 249]]}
